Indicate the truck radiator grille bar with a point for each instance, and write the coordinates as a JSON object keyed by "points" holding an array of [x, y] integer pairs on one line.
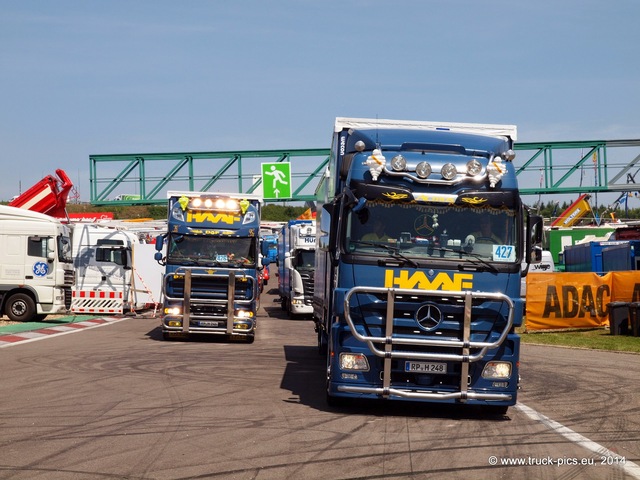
{"points": [[480, 335], [308, 287], [392, 334], [208, 288], [68, 294], [209, 297]]}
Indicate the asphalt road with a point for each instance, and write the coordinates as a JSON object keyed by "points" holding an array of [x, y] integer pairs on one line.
{"points": [[119, 402]]}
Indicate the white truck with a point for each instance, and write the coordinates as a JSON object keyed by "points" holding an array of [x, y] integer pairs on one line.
{"points": [[110, 270], [296, 266], [36, 266]]}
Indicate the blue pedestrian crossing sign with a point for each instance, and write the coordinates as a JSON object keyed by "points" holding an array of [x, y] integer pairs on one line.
{"points": [[276, 180]]}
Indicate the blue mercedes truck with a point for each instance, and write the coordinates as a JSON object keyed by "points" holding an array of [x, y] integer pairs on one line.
{"points": [[421, 234], [211, 254]]}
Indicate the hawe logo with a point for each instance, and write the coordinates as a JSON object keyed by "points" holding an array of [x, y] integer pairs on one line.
{"points": [[210, 217], [419, 280]]}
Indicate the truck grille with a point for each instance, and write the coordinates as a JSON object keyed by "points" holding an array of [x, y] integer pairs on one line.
{"points": [[486, 319], [210, 287], [308, 286], [69, 280], [209, 293], [455, 328]]}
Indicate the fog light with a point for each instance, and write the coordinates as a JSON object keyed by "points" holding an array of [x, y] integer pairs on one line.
{"points": [[174, 323], [496, 370], [354, 361]]}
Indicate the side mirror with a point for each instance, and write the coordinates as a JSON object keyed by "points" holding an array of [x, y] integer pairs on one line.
{"points": [[159, 258], [159, 243], [533, 245]]}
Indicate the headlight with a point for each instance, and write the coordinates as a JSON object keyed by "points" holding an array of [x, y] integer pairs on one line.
{"points": [[494, 370], [449, 171], [354, 361], [177, 213], [423, 170], [244, 314], [173, 311], [398, 163], [474, 167]]}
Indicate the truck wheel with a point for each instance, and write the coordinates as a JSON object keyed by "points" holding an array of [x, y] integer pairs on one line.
{"points": [[20, 308], [322, 343]]}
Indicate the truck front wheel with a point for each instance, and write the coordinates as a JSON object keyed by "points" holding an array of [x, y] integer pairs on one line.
{"points": [[20, 308]]}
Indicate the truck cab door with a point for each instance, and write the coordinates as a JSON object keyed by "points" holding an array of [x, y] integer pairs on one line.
{"points": [[39, 263]]}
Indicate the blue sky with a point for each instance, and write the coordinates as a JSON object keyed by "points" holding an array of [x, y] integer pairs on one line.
{"points": [[82, 77]]}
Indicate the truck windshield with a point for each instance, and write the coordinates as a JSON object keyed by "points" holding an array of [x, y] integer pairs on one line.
{"points": [[448, 232], [211, 251], [305, 259], [64, 249]]}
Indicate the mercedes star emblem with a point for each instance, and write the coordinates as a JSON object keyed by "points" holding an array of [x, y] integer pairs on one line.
{"points": [[428, 316]]}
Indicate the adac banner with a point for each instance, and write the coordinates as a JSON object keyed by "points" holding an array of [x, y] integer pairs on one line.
{"points": [[577, 300]]}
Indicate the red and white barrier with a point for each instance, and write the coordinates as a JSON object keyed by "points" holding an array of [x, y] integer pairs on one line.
{"points": [[97, 301]]}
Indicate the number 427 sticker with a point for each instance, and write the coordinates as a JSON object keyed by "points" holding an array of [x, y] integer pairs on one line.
{"points": [[504, 253]]}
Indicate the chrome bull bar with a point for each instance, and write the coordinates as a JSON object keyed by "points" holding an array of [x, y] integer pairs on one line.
{"points": [[231, 290], [465, 357]]}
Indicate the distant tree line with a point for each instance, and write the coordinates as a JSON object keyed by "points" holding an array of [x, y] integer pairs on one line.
{"points": [[270, 212]]}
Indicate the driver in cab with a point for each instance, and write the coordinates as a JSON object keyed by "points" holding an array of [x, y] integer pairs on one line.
{"points": [[485, 233], [378, 234]]}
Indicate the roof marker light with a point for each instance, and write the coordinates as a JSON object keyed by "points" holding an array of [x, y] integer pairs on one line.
{"points": [[474, 167], [448, 171], [423, 170], [398, 163]]}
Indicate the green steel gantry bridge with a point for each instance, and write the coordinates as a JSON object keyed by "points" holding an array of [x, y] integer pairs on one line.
{"points": [[543, 169]]}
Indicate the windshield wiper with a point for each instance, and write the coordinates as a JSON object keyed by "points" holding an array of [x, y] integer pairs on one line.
{"points": [[475, 256], [395, 251], [183, 262], [479, 259]]}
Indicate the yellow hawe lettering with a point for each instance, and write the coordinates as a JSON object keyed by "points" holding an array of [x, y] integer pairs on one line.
{"points": [[419, 280], [210, 217]]}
